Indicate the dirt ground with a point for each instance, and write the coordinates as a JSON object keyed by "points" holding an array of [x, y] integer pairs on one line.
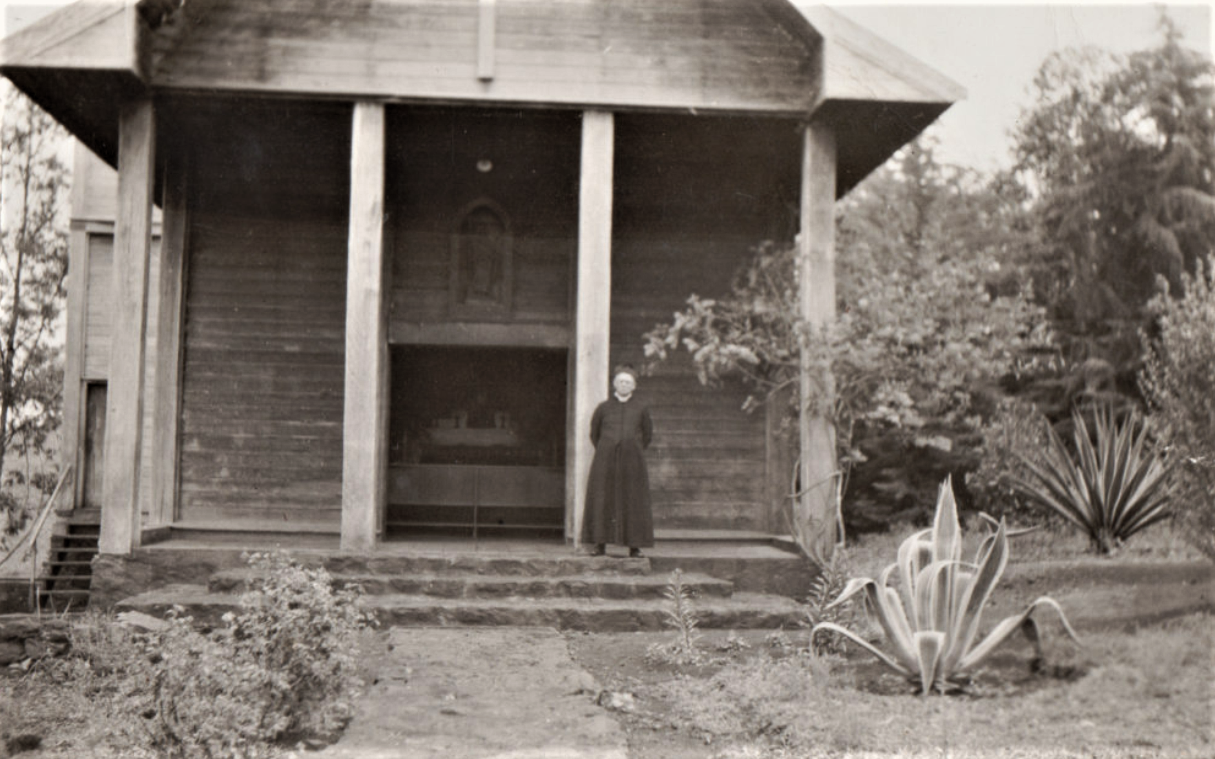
{"points": [[1140, 685], [477, 693]]}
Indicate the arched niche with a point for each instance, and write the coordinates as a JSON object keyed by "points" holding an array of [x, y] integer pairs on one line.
{"points": [[482, 267]]}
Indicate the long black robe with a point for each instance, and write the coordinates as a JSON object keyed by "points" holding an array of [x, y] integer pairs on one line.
{"points": [[618, 489]]}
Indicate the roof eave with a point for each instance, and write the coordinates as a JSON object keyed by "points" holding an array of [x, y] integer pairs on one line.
{"points": [[80, 63], [877, 96], [90, 35]]}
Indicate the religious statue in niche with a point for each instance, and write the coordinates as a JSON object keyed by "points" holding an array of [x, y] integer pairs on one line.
{"points": [[481, 266]]}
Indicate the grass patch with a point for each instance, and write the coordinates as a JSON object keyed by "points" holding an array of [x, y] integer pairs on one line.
{"points": [[869, 553], [1128, 693]]}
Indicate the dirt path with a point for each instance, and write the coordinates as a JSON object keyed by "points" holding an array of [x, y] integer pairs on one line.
{"points": [[477, 693]]}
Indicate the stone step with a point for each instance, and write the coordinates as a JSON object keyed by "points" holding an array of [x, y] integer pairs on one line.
{"points": [[740, 611], [466, 585], [201, 562], [486, 564]]}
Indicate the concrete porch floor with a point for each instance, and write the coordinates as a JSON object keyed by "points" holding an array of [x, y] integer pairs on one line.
{"points": [[306, 543]]}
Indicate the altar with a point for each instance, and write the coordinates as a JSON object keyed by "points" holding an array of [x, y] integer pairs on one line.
{"points": [[477, 441]]}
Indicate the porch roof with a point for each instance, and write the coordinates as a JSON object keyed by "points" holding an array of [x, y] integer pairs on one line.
{"points": [[770, 57]]}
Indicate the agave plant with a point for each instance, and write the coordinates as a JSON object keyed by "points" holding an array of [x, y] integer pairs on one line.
{"points": [[1116, 486], [931, 619]]}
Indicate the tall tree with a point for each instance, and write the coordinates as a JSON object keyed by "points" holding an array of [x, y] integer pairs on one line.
{"points": [[1119, 154], [33, 263]]}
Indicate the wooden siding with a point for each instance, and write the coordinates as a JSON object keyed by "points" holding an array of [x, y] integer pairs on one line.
{"points": [[689, 212], [262, 396], [702, 54], [99, 306], [420, 292], [99, 311], [433, 174], [708, 460]]}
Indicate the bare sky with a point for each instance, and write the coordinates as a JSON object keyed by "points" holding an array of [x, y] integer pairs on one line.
{"points": [[993, 50]]}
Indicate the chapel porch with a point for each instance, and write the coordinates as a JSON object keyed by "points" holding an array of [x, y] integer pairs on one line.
{"points": [[448, 582]]}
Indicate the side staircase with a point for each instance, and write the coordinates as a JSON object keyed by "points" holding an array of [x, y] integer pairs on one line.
{"points": [[567, 592], [67, 574]]}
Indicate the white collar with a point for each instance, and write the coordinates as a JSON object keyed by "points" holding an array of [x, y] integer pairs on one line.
{"points": [[623, 399]]}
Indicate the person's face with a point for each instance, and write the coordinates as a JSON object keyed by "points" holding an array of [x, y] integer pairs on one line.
{"points": [[624, 384]]}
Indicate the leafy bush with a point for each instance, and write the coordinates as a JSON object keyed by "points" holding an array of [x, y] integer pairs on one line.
{"points": [[1116, 486], [1016, 432], [900, 364], [1178, 380], [931, 620], [283, 667]]}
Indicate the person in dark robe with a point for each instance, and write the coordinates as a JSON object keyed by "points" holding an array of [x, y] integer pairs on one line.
{"points": [[618, 488]]}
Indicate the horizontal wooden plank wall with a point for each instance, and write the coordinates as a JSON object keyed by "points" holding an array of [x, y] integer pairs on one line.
{"points": [[708, 459], [99, 307], [694, 197], [263, 379], [443, 160], [420, 295], [704, 54], [264, 322]]}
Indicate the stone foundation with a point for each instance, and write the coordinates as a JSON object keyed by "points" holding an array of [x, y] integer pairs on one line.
{"points": [[26, 636], [119, 577], [14, 596]]}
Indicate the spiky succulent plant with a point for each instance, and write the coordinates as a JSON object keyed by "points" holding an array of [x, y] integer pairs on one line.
{"points": [[931, 618], [1116, 485]]}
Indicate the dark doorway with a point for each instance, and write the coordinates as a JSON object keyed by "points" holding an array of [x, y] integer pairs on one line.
{"points": [[477, 441], [94, 445]]}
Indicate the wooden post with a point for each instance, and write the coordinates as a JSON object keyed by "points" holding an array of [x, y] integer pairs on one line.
{"points": [[365, 424], [73, 361], [816, 305], [592, 316], [120, 516], [166, 394]]}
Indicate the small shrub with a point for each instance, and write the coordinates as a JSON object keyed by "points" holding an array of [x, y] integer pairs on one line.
{"points": [[683, 618], [283, 667], [828, 585], [107, 646], [1116, 485]]}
